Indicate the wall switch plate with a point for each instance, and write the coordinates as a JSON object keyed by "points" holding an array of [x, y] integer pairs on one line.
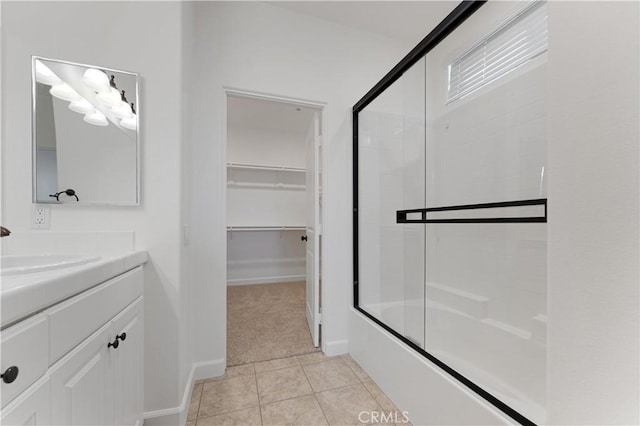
{"points": [[40, 216]]}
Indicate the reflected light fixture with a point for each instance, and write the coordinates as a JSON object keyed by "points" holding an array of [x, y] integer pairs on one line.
{"points": [[131, 122], [110, 97], [65, 92], [96, 80], [96, 118], [122, 110], [44, 75], [82, 106]]}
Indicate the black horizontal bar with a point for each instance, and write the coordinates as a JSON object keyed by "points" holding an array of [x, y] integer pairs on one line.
{"points": [[401, 215], [439, 33]]}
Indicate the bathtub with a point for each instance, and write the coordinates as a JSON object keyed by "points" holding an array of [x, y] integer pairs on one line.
{"points": [[507, 362]]}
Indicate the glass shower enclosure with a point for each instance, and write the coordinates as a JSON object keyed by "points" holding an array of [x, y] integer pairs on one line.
{"points": [[450, 203]]}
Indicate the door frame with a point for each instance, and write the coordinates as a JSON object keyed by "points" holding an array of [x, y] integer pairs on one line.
{"points": [[317, 105]]}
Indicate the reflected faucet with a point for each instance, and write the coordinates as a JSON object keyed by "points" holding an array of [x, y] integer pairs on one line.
{"points": [[4, 232]]}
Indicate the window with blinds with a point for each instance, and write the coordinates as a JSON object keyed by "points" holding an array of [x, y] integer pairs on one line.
{"points": [[517, 41]]}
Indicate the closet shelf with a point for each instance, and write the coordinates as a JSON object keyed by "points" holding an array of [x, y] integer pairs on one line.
{"points": [[265, 167], [265, 228]]}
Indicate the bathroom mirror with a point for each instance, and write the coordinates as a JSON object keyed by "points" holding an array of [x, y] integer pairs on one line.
{"points": [[85, 134]]}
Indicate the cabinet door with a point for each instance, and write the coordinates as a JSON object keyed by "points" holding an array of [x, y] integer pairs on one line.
{"points": [[82, 383], [32, 407], [128, 369]]}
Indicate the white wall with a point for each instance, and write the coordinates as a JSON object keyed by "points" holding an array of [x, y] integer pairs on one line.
{"points": [[187, 335], [259, 47], [270, 147], [263, 257], [144, 37], [594, 190]]}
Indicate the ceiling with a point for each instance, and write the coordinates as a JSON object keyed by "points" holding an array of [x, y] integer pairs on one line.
{"points": [[408, 21], [271, 115]]}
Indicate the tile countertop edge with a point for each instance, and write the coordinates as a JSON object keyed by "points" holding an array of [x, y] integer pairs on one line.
{"points": [[25, 295]]}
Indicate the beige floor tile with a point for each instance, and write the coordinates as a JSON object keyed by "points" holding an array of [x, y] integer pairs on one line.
{"points": [[194, 404], [235, 371], [190, 423], [387, 405], [246, 417], [223, 396], [276, 364], [351, 405], [329, 375], [382, 399], [359, 372], [314, 357], [282, 384], [303, 410]]}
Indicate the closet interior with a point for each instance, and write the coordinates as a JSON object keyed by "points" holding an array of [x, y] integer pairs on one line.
{"points": [[267, 215]]}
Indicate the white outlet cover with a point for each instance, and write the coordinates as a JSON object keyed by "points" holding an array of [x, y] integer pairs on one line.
{"points": [[40, 216]]}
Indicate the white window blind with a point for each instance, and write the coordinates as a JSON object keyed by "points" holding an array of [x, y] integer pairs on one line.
{"points": [[520, 39]]}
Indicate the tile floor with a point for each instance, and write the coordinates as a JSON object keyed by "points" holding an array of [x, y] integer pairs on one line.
{"points": [[310, 389]]}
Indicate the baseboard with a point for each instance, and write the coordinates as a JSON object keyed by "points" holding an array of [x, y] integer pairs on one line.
{"points": [[167, 417], [209, 369], [266, 280], [337, 347], [178, 415]]}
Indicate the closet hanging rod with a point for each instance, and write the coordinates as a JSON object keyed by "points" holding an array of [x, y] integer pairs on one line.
{"points": [[265, 167], [266, 228]]}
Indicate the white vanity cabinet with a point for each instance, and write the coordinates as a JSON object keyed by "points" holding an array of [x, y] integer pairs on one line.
{"points": [[93, 347], [32, 407]]}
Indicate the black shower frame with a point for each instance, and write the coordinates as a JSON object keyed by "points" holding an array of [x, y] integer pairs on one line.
{"points": [[460, 14]]}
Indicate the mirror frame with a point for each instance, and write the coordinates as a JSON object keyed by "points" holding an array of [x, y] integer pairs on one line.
{"points": [[34, 171]]}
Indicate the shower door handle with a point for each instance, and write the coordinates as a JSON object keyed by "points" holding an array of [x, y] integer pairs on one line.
{"points": [[464, 213]]}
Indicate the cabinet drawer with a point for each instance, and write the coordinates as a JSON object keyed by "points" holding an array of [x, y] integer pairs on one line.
{"points": [[75, 319], [25, 346]]}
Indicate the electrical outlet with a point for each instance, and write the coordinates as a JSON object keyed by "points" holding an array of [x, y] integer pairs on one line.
{"points": [[40, 216]]}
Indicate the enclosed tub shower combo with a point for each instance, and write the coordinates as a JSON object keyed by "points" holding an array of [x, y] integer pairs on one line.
{"points": [[450, 202]]}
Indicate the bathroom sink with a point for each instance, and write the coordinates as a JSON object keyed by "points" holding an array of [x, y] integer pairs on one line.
{"points": [[24, 264]]}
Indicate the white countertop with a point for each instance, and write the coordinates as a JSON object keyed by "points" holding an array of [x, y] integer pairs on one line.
{"points": [[25, 294]]}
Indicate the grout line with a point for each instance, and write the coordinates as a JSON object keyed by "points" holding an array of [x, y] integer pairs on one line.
{"points": [[199, 402], [374, 399], [227, 412], [279, 368], [287, 399], [255, 378], [321, 409], [340, 387], [315, 395], [354, 371]]}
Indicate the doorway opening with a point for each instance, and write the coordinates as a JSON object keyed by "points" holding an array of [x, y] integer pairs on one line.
{"points": [[274, 226]]}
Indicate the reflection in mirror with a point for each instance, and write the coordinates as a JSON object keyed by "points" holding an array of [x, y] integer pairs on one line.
{"points": [[85, 134]]}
